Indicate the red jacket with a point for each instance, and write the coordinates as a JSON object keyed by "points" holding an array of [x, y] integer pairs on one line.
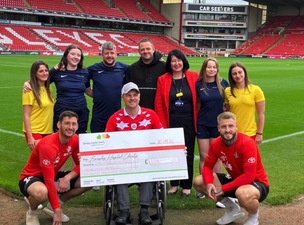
{"points": [[162, 96]]}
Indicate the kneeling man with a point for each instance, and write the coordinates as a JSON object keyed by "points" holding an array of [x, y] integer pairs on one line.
{"points": [[37, 180], [246, 179]]}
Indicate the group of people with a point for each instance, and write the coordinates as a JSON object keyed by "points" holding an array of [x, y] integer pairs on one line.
{"points": [[171, 96]]}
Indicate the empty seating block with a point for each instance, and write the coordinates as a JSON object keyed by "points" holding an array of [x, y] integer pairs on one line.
{"points": [[54, 5], [99, 8], [13, 3]]}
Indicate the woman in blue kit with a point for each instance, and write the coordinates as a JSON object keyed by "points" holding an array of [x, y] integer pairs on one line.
{"points": [[72, 81], [210, 93]]}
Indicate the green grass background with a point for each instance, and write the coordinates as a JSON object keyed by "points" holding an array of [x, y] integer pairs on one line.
{"points": [[282, 150]]}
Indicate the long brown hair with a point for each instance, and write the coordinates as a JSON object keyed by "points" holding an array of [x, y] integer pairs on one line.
{"points": [[34, 81], [202, 76], [232, 82], [64, 58]]}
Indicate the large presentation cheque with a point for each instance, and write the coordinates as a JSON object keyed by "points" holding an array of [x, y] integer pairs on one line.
{"points": [[112, 158]]}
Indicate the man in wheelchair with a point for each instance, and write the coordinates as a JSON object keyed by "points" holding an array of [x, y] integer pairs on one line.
{"points": [[133, 117]]}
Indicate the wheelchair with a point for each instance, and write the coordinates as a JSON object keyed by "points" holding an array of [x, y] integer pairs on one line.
{"points": [[159, 197]]}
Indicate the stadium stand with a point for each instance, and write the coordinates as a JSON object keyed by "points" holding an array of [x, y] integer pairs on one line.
{"points": [[132, 11], [19, 38], [262, 44], [282, 35], [47, 38], [291, 44], [13, 3], [37, 38], [54, 5], [151, 11], [100, 8]]}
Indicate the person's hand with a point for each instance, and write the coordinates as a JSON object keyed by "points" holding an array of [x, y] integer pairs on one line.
{"points": [[226, 107], [218, 192], [31, 143], [211, 190], [59, 66], [57, 219], [63, 185], [185, 151], [27, 86], [258, 139]]}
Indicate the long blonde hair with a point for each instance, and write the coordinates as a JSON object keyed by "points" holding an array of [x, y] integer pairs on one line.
{"points": [[203, 77]]}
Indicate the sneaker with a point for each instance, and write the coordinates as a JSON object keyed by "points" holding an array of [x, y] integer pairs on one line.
{"points": [[50, 212], [144, 218], [32, 218], [234, 200], [230, 217], [96, 188], [123, 217], [249, 222], [27, 201], [220, 205], [252, 219], [199, 195]]}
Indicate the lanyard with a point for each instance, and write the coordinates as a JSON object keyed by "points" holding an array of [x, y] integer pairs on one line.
{"points": [[179, 93]]}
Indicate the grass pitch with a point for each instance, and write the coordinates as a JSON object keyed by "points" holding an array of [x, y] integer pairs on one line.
{"points": [[282, 151]]}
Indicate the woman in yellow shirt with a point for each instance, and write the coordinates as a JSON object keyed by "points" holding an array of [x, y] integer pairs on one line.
{"points": [[246, 101], [38, 105]]}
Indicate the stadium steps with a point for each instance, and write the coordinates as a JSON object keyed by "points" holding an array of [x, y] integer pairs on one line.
{"points": [[26, 3], [49, 45], [131, 10], [274, 45], [153, 13]]}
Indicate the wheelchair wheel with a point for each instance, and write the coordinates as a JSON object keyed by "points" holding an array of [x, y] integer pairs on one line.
{"points": [[109, 204], [163, 197], [108, 214], [105, 200], [161, 201], [161, 213]]}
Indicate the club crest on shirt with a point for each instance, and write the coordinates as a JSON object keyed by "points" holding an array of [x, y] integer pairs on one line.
{"points": [[68, 151], [133, 126]]}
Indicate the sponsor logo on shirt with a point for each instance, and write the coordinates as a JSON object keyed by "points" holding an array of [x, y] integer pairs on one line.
{"points": [[251, 160], [46, 162], [62, 76]]}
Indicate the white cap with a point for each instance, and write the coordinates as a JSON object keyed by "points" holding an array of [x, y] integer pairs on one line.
{"points": [[128, 87]]}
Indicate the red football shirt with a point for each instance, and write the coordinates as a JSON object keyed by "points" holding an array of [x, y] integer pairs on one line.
{"points": [[242, 161], [47, 158], [144, 120]]}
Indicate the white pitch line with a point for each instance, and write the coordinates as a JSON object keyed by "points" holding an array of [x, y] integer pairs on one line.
{"points": [[11, 132], [264, 141], [10, 87], [283, 136], [272, 139]]}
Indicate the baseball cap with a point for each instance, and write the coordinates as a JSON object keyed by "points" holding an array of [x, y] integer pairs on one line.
{"points": [[128, 87]]}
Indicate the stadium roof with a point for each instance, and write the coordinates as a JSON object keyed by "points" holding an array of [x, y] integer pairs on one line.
{"points": [[295, 3]]}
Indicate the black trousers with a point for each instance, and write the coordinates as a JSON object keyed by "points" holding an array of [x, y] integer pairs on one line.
{"points": [[187, 123]]}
